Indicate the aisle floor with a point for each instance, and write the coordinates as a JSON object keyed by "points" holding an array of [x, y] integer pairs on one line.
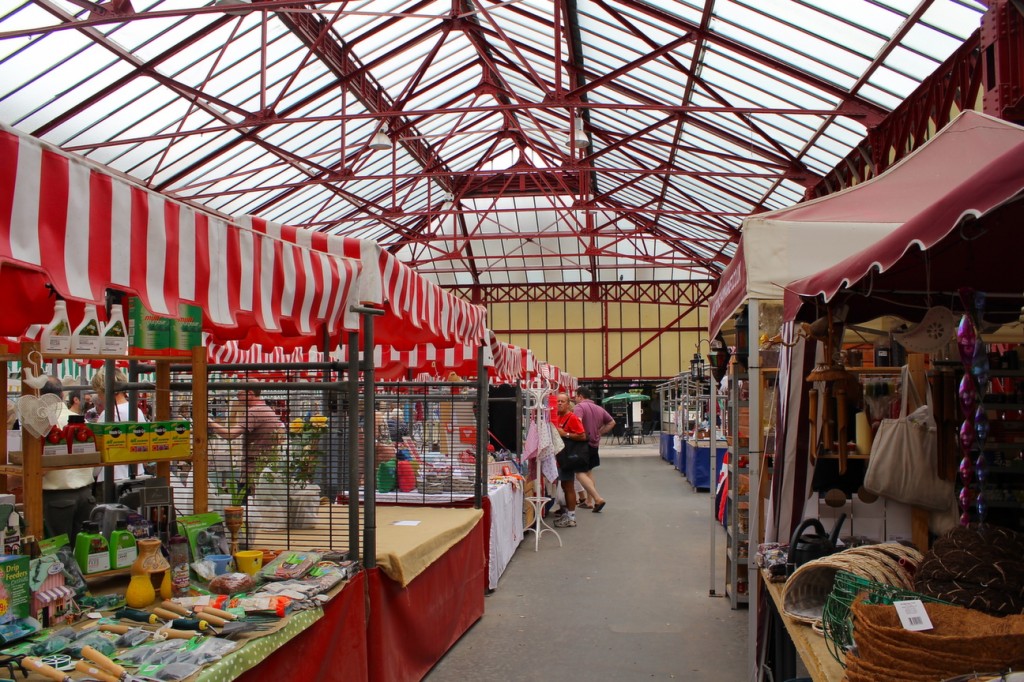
{"points": [[625, 598]]}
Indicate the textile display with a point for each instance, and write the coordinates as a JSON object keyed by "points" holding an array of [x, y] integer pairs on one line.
{"points": [[904, 456]]}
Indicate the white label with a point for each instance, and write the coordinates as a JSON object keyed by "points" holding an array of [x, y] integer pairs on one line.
{"points": [[125, 556], [114, 345], [98, 562], [87, 448], [912, 615], [85, 345], [60, 345], [50, 450]]}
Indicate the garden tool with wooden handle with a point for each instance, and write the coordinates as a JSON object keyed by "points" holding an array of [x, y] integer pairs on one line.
{"points": [[117, 673], [94, 672], [35, 665]]}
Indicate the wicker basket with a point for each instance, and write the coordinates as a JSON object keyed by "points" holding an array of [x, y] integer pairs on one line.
{"points": [[804, 595]]}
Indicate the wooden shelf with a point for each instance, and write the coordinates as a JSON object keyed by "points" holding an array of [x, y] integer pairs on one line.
{"points": [[18, 469], [185, 359], [32, 468]]}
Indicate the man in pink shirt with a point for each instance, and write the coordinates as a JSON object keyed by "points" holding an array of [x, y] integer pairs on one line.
{"points": [[596, 422]]}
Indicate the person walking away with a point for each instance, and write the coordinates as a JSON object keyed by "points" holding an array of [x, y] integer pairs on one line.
{"points": [[261, 430], [569, 428], [596, 422]]}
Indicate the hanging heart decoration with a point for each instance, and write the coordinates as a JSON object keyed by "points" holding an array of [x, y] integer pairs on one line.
{"points": [[39, 414]]}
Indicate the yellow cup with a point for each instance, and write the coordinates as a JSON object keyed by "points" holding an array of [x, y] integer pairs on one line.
{"points": [[249, 561]]}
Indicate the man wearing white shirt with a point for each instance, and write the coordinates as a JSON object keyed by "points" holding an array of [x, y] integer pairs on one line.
{"points": [[67, 493]]}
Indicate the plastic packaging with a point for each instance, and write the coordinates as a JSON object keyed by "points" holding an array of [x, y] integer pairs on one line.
{"points": [[91, 550], [85, 340], [56, 336], [114, 339], [123, 549], [177, 548]]}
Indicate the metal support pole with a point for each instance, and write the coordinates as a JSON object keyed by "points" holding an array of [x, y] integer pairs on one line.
{"points": [[369, 439], [110, 404], [713, 433], [353, 444], [482, 428]]}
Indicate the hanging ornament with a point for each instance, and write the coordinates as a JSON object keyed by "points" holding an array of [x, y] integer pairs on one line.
{"points": [[980, 366], [967, 437], [966, 498], [968, 394], [981, 470], [966, 470], [966, 339], [982, 506], [981, 426]]}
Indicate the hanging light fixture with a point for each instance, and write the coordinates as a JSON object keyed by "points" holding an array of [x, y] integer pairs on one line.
{"points": [[380, 141], [579, 138], [697, 367]]}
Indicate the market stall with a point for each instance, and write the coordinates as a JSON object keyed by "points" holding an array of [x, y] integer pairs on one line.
{"points": [[951, 208]]}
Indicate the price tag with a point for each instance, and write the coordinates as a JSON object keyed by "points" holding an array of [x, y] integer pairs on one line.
{"points": [[912, 614]]}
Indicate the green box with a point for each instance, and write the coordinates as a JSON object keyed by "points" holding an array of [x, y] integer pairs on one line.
{"points": [[187, 329], [15, 594], [148, 334]]}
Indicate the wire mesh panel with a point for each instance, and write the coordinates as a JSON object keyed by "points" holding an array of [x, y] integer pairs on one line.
{"points": [[279, 447], [426, 442]]}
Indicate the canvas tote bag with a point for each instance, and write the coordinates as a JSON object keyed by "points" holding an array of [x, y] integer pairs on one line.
{"points": [[903, 463]]}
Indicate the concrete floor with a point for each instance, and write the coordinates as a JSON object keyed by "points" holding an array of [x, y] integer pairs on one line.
{"points": [[626, 598]]}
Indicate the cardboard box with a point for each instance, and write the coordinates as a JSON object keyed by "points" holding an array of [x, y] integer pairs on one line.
{"points": [[181, 438], [160, 440], [186, 329], [112, 440], [140, 440], [15, 597], [148, 334]]}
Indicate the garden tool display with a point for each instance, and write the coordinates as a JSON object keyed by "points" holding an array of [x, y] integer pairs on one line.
{"points": [[175, 610], [108, 666], [36, 665], [162, 633], [94, 672], [240, 628]]}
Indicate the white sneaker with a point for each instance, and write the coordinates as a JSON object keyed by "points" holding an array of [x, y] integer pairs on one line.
{"points": [[565, 521]]}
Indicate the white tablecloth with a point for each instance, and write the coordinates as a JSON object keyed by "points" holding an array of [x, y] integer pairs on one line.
{"points": [[506, 528]]}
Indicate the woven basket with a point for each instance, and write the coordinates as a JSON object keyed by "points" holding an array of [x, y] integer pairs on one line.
{"points": [[806, 591], [961, 641], [836, 622]]}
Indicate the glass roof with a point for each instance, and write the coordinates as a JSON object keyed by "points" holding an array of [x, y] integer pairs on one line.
{"points": [[623, 140]]}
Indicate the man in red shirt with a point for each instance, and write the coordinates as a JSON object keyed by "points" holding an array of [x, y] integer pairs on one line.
{"points": [[569, 428]]}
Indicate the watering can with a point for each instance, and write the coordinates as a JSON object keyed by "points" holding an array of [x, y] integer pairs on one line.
{"points": [[804, 548]]}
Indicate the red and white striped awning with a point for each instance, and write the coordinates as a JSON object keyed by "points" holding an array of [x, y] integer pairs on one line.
{"points": [[418, 311], [66, 222]]}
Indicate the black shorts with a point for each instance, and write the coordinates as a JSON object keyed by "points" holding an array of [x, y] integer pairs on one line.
{"points": [[595, 459]]}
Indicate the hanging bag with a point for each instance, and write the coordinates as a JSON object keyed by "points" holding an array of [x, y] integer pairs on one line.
{"points": [[574, 457], [903, 464]]}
